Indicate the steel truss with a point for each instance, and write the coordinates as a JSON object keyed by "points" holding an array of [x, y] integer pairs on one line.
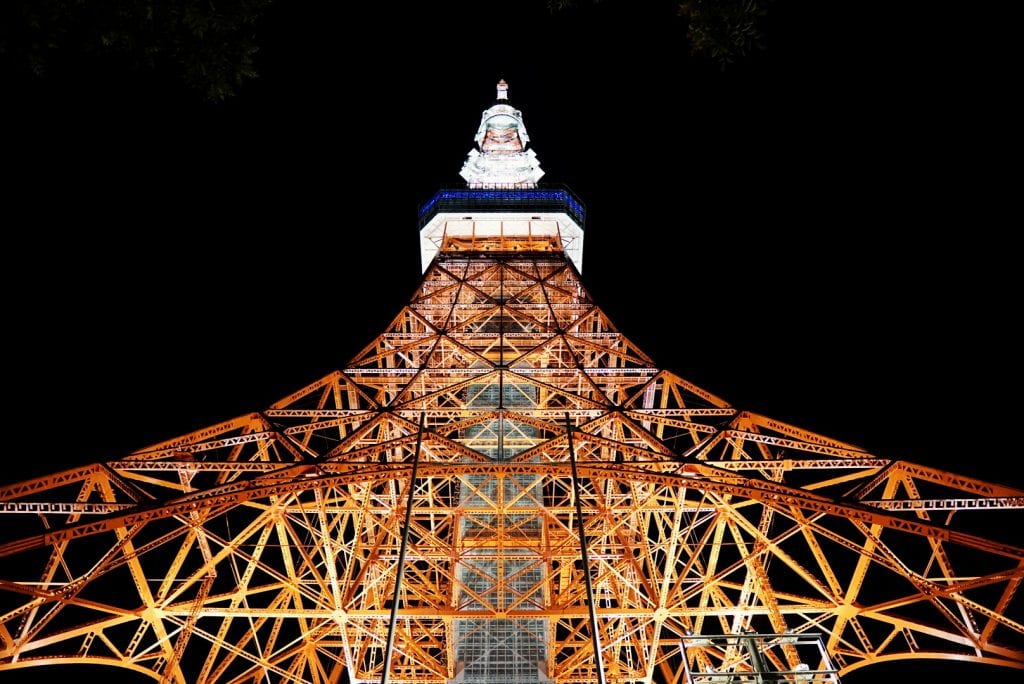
{"points": [[513, 459]]}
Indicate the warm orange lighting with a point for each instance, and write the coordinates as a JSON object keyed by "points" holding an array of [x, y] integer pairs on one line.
{"points": [[502, 486]]}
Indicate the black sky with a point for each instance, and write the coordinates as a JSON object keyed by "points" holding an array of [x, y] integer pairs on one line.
{"points": [[817, 234]]}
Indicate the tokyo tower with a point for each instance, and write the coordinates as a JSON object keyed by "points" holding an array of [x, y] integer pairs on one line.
{"points": [[502, 488]]}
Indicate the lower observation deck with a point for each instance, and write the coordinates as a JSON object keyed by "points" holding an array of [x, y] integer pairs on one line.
{"points": [[496, 220]]}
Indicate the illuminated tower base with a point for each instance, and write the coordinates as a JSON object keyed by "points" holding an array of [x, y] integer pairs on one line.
{"points": [[502, 488]]}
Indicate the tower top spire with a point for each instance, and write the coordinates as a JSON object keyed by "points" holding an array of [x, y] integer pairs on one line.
{"points": [[502, 211], [501, 159]]}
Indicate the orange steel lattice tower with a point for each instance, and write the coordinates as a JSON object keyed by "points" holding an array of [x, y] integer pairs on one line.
{"points": [[501, 488]]}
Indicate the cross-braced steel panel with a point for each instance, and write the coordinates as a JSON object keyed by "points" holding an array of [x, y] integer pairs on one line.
{"points": [[533, 474]]}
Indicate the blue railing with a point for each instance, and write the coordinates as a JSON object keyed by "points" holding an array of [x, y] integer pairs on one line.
{"points": [[560, 200]]}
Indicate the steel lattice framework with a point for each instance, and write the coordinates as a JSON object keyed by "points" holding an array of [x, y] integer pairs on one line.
{"points": [[269, 544], [501, 455]]}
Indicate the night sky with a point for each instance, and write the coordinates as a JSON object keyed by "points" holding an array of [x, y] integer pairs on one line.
{"points": [[815, 234]]}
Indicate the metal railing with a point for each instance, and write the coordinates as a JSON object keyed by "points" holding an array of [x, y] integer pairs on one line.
{"points": [[752, 658], [554, 199]]}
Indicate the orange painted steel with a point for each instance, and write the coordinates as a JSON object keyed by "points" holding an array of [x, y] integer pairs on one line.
{"points": [[266, 548]]}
